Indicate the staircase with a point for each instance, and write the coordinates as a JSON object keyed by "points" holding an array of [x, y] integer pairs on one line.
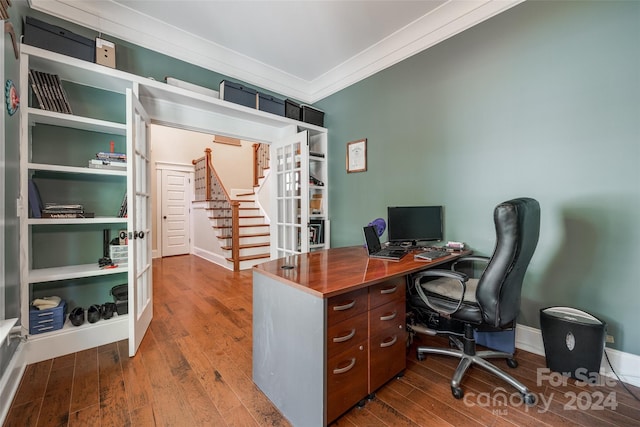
{"points": [[253, 230], [237, 219]]}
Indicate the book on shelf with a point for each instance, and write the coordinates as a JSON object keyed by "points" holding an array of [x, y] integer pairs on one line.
{"points": [[107, 155], [46, 214], [122, 213], [107, 164], [315, 204], [63, 206], [316, 231], [49, 92], [61, 210]]}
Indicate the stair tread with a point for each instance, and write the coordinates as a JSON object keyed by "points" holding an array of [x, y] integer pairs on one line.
{"points": [[248, 246], [250, 257], [228, 209], [246, 235], [219, 227], [241, 217]]}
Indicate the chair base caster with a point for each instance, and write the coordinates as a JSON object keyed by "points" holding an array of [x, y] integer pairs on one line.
{"points": [[512, 363], [529, 399], [457, 392]]}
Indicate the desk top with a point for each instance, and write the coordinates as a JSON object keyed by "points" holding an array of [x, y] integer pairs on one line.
{"points": [[331, 272]]}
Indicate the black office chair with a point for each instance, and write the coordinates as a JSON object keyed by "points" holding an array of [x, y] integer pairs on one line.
{"points": [[445, 302]]}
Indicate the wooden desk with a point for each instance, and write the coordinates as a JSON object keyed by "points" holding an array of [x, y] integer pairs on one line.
{"points": [[329, 329]]}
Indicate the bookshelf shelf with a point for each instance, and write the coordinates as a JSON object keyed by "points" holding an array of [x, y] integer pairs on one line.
{"points": [[75, 169], [72, 221], [38, 116], [72, 272]]}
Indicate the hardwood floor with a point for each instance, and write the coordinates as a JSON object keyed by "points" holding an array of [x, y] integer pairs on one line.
{"points": [[193, 368]]}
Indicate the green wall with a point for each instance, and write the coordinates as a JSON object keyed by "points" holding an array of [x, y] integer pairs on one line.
{"points": [[540, 101]]}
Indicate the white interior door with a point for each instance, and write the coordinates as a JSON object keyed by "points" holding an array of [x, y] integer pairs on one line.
{"points": [[289, 160], [139, 195], [175, 212]]}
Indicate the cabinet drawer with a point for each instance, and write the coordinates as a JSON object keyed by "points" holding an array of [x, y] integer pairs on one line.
{"points": [[387, 345], [387, 316], [344, 335], [387, 291], [387, 356], [344, 306], [347, 380]]}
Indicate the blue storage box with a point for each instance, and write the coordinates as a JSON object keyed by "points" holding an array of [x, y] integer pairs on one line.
{"points": [[47, 320], [499, 340], [238, 94], [56, 39], [270, 104]]}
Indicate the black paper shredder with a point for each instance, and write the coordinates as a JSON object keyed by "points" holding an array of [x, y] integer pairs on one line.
{"points": [[573, 342]]}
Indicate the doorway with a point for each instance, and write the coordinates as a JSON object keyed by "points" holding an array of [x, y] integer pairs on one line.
{"points": [[175, 212]]}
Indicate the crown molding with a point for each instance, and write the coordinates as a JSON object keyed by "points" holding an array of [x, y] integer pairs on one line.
{"points": [[451, 18]]}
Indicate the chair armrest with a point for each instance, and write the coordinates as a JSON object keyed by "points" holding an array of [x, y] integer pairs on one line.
{"points": [[460, 277], [470, 258]]}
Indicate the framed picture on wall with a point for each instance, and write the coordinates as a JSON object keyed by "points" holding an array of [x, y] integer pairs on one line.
{"points": [[357, 156]]}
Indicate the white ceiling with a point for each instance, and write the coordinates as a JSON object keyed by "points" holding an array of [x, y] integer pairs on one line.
{"points": [[302, 49]]}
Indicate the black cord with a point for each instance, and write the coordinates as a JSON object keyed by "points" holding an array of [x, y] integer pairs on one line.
{"points": [[616, 374]]}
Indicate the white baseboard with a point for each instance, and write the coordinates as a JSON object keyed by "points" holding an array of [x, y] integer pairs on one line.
{"points": [[10, 381], [72, 339], [626, 365], [211, 257]]}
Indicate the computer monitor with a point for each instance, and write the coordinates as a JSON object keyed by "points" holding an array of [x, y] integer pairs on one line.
{"points": [[415, 224]]}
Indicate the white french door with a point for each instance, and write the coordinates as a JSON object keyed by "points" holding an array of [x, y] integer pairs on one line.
{"points": [[139, 194], [289, 231]]}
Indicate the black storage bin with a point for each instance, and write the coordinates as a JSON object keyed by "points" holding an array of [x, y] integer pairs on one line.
{"points": [[292, 109], [56, 39], [121, 298], [270, 104], [573, 342], [238, 94], [313, 116]]}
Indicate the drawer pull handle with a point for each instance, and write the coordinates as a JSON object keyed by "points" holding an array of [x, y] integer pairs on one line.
{"points": [[346, 368], [389, 316], [384, 344], [345, 337], [344, 307], [388, 290]]}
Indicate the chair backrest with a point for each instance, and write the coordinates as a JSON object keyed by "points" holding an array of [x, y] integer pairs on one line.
{"points": [[517, 225]]}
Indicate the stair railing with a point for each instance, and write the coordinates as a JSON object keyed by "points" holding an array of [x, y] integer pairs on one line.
{"points": [[260, 161], [208, 187]]}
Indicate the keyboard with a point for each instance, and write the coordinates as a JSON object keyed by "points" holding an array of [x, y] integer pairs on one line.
{"points": [[430, 255]]}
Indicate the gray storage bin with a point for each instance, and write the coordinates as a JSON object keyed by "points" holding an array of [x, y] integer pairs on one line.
{"points": [[270, 104], [56, 39], [238, 94]]}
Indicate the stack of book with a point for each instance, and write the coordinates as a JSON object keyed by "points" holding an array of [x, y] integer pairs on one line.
{"points": [[58, 210], [316, 232], [123, 208], [49, 92], [108, 160]]}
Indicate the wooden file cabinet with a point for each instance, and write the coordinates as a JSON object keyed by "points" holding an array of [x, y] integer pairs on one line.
{"points": [[387, 334], [366, 343]]}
